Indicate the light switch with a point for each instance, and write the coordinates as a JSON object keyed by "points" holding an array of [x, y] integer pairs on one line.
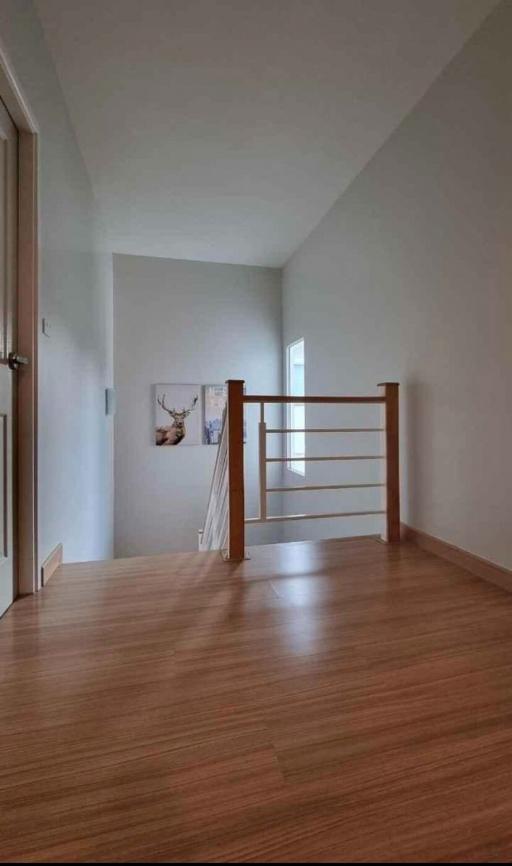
{"points": [[110, 401], [46, 327]]}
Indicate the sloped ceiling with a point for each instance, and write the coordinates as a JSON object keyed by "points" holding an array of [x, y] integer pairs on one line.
{"points": [[223, 130]]}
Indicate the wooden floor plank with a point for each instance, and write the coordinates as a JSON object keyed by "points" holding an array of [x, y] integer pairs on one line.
{"points": [[334, 701]]}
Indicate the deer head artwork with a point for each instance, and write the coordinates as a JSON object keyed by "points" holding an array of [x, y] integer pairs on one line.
{"points": [[175, 432]]}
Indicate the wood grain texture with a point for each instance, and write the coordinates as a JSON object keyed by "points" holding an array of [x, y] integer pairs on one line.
{"points": [[236, 496], [329, 701], [483, 568], [392, 462]]}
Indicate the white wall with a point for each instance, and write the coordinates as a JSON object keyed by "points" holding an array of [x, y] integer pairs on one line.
{"points": [[75, 449], [181, 321], [409, 278]]}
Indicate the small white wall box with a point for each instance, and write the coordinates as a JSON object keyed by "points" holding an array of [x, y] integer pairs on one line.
{"points": [[110, 401]]}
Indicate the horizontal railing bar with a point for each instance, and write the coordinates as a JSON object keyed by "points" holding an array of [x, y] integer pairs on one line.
{"points": [[282, 517], [325, 429], [275, 398], [302, 487], [308, 459]]}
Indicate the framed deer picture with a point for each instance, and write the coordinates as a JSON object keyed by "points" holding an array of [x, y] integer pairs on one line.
{"points": [[177, 415]]}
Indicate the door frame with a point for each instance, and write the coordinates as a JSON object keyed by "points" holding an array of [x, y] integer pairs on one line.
{"points": [[27, 576]]}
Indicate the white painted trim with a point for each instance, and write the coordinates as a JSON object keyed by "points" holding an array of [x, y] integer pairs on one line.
{"points": [[26, 497], [12, 96]]}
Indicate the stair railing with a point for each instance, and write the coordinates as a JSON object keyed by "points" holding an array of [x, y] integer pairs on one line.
{"points": [[214, 534], [227, 495]]}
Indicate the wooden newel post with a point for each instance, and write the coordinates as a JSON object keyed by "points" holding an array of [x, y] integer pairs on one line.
{"points": [[390, 390], [235, 420]]}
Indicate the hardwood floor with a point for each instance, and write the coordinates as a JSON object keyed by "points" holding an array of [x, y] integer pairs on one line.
{"points": [[321, 702]]}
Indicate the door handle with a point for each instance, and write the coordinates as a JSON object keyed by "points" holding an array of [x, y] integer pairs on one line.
{"points": [[16, 361]]}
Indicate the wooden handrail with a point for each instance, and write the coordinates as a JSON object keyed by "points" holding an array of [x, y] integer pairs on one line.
{"points": [[236, 399], [213, 536], [275, 398], [307, 488], [316, 459], [325, 429], [390, 390], [236, 496], [281, 518]]}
